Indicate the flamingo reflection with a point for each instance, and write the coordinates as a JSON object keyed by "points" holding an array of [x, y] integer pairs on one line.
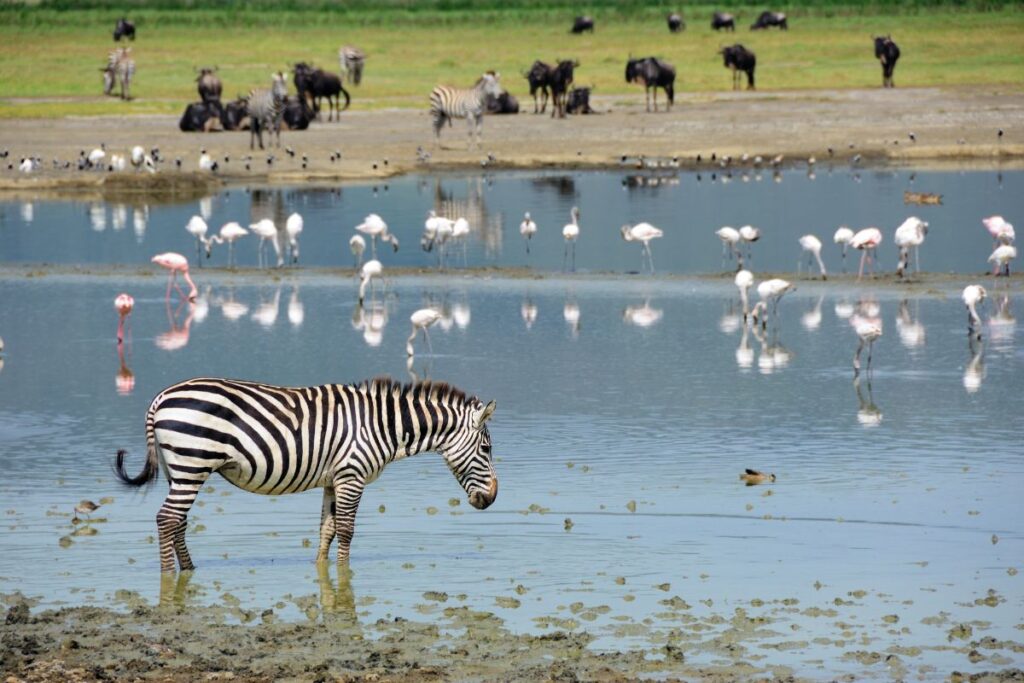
{"points": [[528, 311], [642, 316], [461, 314], [140, 218], [119, 217], [909, 328], [811, 319], [124, 381], [266, 313], [571, 313], [371, 321], [1002, 324], [745, 354], [974, 371], [868, 414], [28, 212], [296, 311], [774, 356], [98, 217], [176, 337], [230, 308]]}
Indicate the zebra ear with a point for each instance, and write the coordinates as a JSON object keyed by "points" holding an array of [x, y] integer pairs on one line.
{"points": [[485, 414]]}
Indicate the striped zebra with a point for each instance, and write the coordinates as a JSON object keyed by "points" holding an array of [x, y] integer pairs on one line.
{"points": [[120, 69], [273, 440], [351, 61], [447, 103], [266, 109]]}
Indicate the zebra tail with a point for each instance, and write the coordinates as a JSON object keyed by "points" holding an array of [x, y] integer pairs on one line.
{"points": [[151, 470]]}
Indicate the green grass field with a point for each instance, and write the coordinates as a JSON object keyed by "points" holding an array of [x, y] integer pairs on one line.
{"points": [[50, 59]]}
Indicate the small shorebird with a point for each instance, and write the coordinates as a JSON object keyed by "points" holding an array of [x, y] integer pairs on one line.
{"points": [[753, 477]]}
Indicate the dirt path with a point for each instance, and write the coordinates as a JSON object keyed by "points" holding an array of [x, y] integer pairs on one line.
{"points": [[954, 124]]}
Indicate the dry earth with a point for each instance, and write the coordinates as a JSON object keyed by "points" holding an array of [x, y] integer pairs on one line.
{"points": [[950, 125]]}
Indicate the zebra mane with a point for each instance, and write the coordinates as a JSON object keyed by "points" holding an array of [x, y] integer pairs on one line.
{"points": [[441, 391]]}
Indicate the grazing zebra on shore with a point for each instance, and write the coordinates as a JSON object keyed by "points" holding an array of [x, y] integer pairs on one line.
{"points": [[351, 61], [120, 69], [266, 108], [273, 440], [447, 103]]}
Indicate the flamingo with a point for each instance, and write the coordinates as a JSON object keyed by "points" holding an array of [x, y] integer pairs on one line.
{"points": [[527, 229], [374, 226], [266, 230], [730, 237], [744, 281], [842, 237], [570, 233], [972, 296], [642, 232], [749, 234], [1001, 231], [770, 291], [868, 330], [910, 234], [429, 231], [421, 320], [812, 244], [370, 270], [1001, 258], [866, 240], [293, 226], [198, 228], [175, 262], [123, 304], [229, 232], [357, 245]]}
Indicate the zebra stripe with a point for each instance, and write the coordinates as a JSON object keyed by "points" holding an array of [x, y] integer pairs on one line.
{"points": [[120, 69], [447, 103], [272, 440], [266, 109]]}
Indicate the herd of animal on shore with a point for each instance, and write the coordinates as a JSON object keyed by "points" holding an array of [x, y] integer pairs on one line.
{"points": [[546, 81]]}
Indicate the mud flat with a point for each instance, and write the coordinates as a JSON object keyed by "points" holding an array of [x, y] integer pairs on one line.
{"points": [[950, 125]]}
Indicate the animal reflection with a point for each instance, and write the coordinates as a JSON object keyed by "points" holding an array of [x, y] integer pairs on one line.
{"points": [[811, 319], [974, 371], [911, 331], [774, 356], [231, 308], [124, 381], [371, 321], [868, 326], [266, 312], [528, 312], [745, 354], [643, 315], [1002, 323], [868, 414], [176, 337], [571, 314], [296, 310]]}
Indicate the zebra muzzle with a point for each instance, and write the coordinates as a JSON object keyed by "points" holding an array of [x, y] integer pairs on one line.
{"points": [[481, 500]]}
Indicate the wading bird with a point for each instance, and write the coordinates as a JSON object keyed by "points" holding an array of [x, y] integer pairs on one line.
{"points": [[770, 291], [753, 477], [842, 237], [748, 235], [229, 232], [527, 229], [374, 226], [293, 227], [571, 233], [175, 262], [642, 232], [972, 296], [1001, 231], [867, 240], [744, 281], [812, 245], [198, 228], [1001, 258], [911, 233], [370, 270], [266, 230], [123, 304], [421, 320], [730, 238], [357, 245]]}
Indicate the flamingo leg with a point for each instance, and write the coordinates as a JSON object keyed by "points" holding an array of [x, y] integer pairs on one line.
{"points": [[856, 359], [426, 336], [565, 256], [574, 256], [170, 279], [863, 257]]}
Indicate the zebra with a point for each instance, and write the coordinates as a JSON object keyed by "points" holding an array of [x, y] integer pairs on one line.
{"points": [[273, 440], [447, 103], [266, 108], [350, 62], [120, 68]]}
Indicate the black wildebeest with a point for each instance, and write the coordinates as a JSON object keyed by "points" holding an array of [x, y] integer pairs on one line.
{"points": [[887, 53], [768, 19], [124, 29], [581, 24], [578, 101], [561, 79], [654, 74], [723, 20], [297, 114], [539, 78], [208, 84], [316, 84], [202, 117], [675, 22], [234, 114], [504, 103], [739, 59]]}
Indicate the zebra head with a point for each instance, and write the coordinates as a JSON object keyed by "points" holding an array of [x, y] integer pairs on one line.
{"points": [[490, 85], [468, 454]]}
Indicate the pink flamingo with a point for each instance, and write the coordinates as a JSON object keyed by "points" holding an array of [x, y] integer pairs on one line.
{"points": [[865, 240], [124, 303], [175, 262], [1001, 231]]}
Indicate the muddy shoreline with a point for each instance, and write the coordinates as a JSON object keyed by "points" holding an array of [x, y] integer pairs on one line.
{"points": [[951, 126]]}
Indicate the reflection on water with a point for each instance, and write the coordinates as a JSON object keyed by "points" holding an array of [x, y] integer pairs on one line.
{"points": [[685, 205], [634, 429]]}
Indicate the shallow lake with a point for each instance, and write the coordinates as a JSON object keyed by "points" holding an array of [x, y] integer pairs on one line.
{"points": [[688, 206], [627, 406]]}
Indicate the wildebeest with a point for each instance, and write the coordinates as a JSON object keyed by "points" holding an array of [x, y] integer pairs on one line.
{"points": [[581, 24], [202, 117], [675, 22], [234, 115], [124, 29], [723, 20], [297, 114], [316, 84], [654, 74], [504, 103], [739, 59], [561, 79], [208, 84], [578, 101], [887, 53], [539, 78], [768, 19]]}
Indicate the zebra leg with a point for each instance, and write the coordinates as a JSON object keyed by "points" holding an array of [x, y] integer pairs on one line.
{"points": [[326, 524], [348, 490]]}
